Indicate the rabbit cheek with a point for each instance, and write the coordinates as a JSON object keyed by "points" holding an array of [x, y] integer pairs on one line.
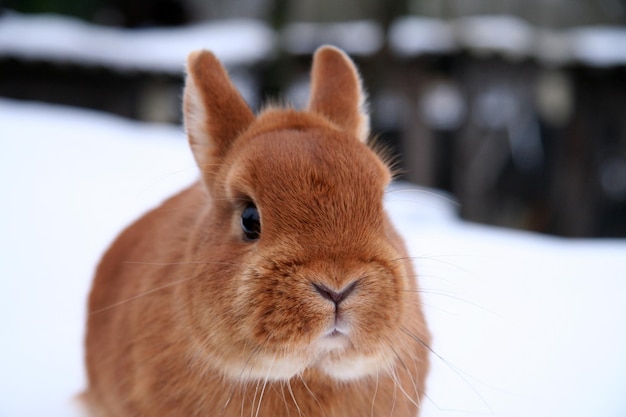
{"points": [[279, 322], [283, 318]]}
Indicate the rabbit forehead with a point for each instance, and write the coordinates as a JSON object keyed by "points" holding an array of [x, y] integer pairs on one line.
{"points": [[306, 159], [300, 165]]}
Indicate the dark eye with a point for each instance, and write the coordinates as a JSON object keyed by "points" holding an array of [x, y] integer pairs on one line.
{"points": [[251, 222]]}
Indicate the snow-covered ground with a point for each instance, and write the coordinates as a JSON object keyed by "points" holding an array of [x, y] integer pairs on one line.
{"points": [[524, 325]]}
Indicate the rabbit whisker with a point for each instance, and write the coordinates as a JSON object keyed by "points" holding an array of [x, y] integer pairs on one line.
{"points": [[160, 178], [312, 394], [282, 392], [256, 390], [179, 263], [264, 386], [244, 392], [395, 397], [434, 259], [396, 378], [454, 297], [455, 369], [422, 191], [409, 373], [135, 297], [235, 387], [375, 393], [293, 397]]}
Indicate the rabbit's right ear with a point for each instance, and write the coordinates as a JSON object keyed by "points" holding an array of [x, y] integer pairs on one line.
{"points": [[337, 93], [215, 114]]}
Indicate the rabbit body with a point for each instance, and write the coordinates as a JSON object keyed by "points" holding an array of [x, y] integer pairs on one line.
{"points": [[316, 312]]}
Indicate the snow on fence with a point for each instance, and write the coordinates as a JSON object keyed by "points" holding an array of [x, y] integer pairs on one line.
{"points": [[64, 39], [67, 40]]}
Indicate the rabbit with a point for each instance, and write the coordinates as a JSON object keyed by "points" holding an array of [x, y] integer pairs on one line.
{"points": [[276, 284]]}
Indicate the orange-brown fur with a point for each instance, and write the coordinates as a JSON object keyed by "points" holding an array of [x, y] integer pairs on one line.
{"points": [[187, 318]]}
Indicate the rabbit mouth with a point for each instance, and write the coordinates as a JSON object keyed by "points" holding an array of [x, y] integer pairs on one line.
{"points": [[335, 333], [335, 338], [339, 359], [339, 328], [340, 352]]}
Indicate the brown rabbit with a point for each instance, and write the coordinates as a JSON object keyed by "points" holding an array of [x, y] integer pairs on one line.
{"points": [[276, 285]]}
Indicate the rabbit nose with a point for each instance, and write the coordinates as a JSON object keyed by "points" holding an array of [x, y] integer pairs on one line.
{"points": [[336, 297]]}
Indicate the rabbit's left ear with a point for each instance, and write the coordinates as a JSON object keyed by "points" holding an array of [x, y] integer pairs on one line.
{"points": [[336, 92]]}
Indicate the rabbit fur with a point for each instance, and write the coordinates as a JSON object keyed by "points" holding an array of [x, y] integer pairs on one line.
{"points": [[317, 314]]}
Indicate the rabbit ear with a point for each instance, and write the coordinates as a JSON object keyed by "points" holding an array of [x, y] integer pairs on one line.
{"points": [[214, 111], [336, 91]]}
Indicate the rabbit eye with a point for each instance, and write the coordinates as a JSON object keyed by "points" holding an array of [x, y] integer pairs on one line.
{"points": [[251, 222]]}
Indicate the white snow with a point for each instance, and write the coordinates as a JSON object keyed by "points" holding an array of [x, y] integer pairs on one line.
{"points": [[505, 34], [244, 41], [360, 37], [523, 324], [68, 40], [597, 46], [420, 35], [70, 179]]}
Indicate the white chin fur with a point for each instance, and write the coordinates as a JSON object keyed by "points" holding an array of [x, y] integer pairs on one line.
{"points": [[268, 368], [350, 368], [342, 369], [328, 355]]}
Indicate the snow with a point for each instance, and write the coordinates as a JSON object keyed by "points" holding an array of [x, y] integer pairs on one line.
{"points": [[419, 35], [70, 180], [244, 41], [508, 35], [360, 37], [524, 325], [68, 40], [599, 46], [596, 46]]}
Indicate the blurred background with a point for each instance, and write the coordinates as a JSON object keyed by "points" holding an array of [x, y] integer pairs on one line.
{"points": [[517, 108]]}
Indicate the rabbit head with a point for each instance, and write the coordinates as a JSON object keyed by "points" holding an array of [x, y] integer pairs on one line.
{"points": [[297, 270]]}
